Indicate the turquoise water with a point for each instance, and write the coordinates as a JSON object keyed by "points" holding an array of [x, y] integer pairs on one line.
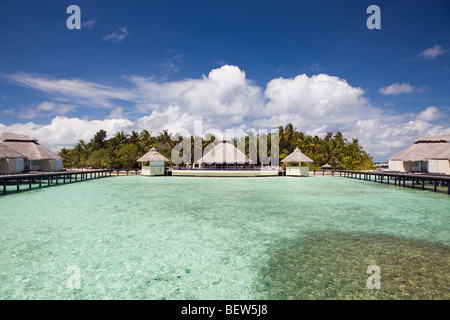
{"points": [[223, 238]]}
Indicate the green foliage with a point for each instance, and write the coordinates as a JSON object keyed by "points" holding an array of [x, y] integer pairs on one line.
{"points": [[122, 150]]}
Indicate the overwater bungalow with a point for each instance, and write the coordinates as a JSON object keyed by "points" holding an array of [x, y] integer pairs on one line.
{"points": [[225, 156], [427, 154], [225, 160], [302, 170], [11, 161], [37, 157], [153, 163]]}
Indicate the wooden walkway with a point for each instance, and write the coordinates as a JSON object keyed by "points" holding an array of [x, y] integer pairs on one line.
{"points": [[49, 178], [418, 180]]}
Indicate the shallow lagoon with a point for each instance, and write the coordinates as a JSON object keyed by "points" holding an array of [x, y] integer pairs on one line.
{"points": [[224, 238]]}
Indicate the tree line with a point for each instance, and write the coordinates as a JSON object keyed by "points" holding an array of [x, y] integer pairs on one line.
{"points": [[123, 149]]}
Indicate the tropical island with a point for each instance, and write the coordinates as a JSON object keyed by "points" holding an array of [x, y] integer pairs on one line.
{"points": [[123, 150]]}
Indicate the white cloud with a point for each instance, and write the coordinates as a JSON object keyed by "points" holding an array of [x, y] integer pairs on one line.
{"points": [[88, 23], [433, 52], [46, 108], [396, 89], [75, 91], [431, 114], [318, 99], [116, 36]]}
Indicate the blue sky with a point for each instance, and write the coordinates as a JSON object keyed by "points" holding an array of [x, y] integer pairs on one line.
{"points": [[231, 64]]}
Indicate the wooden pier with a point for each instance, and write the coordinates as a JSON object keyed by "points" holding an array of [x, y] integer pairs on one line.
{"points": [[413, 180], [49, 178]]}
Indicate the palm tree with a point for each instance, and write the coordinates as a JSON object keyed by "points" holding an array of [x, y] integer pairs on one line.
{"points": [[133, 137], [289, 134], [121, 136], [146, 138]]}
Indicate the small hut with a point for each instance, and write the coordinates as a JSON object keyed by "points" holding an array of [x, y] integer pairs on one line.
{"points": [[11, 161], [153, 163], [37, 157], [224, 156], [302, 170], [326, 167]]}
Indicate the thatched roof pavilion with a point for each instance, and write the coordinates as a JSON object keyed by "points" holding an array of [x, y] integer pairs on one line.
{"points": [[28, 146], [300, 170], [9, 153], [297, 156], [153, 156], [326, 166], [225, 153]]}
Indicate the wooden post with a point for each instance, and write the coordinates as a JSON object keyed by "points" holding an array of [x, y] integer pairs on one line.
{"points": [[423, 184], [4, 186], [435, 185], [18, 185]]}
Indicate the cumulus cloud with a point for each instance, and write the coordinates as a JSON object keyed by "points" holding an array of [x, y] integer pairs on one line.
{"points": [[396, 89], [116, 36], [320, 98], [431, 114], [433, 52]]}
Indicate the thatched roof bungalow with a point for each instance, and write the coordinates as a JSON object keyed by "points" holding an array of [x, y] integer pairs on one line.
{"points": [[37, 157], [155, 165], [427, 154], [302, 169]]}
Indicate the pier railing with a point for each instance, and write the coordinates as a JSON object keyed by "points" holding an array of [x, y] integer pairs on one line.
{"points": [[48, 178], [424, 181]]}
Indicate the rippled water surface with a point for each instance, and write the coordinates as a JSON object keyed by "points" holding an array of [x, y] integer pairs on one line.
{"points": [[223, 238]]}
